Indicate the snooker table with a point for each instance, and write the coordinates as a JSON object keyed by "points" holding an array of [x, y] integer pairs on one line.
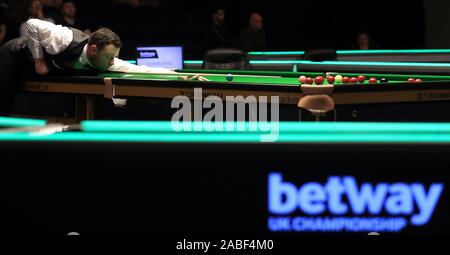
{"points": [[341, 66], [396, 100], [141, 179]]}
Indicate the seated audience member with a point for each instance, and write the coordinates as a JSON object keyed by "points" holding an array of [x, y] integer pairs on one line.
{"points": [[2, 32], [35, 11], [69, 17], [216, 33], [253, 37], [365, 42], [5, 22], [52, 9]]}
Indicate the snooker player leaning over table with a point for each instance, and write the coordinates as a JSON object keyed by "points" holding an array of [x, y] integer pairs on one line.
{"points": [[50, 48]]}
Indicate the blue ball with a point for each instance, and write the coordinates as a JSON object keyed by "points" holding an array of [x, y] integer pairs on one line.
{"points": [[229, 77]]}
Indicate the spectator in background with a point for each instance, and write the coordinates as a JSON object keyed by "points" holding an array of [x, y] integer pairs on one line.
{"points": [[2, 32], [365, 42], [253, 37], [69, 17], [52, 9], [6, 23], [140, 23], [35, 11], [3, 7], [216, 33], [138, 3]]}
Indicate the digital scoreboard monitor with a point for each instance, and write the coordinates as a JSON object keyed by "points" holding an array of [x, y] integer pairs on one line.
{"points": [[170, 57]]}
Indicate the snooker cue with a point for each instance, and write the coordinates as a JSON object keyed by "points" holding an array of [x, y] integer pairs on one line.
{"points": [[45, 130], [204, 74]]}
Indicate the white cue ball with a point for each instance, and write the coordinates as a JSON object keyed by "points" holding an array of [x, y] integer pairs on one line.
{"points": [[338, 79]]}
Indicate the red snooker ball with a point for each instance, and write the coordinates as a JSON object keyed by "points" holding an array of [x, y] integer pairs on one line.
{"points": [[302, 79], [419, 81], [319, 80], [331, 79], [373, 80], [411, 80], [309, 81], [353, 80], [345, 80], [361, 79]]}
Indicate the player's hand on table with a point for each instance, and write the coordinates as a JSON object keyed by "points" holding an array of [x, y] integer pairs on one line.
{"points": [[196, 77], [40, 66]]}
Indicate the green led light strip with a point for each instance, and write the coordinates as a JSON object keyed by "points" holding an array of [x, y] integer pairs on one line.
{"points": [[435, 51], [277, 53], [349, 63], [344, 52], [384, 64], [226, 138], [283, 127], [21, 122], [193, 62]]}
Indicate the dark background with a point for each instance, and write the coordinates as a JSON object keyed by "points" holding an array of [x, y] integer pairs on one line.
{"points": [[290, 25]]}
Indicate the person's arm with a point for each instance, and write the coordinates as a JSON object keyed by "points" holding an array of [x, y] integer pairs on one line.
{"points": [[23, 29], [43, 35], [124, 66]]}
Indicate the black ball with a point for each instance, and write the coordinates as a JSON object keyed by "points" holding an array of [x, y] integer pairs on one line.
{"points": [[384, 80]]}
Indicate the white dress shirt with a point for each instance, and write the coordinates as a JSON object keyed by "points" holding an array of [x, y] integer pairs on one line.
{"points": [[23, 26], [83, 61], [44, 35], [54, 39]]}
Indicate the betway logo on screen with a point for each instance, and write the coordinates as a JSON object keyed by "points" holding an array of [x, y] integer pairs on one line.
{"points": [[149, 54], [344, 205]]}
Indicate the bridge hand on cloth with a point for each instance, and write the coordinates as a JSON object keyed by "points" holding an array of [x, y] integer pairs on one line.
{"points": [[197, 77]]}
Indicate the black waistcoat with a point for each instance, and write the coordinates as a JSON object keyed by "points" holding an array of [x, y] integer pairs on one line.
{"points": [[66, 60]]}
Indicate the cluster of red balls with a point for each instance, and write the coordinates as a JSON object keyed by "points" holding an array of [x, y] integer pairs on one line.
{"points": [[319, 80], [359, 79], [413, 80], [338, 79], [308, 80]]}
